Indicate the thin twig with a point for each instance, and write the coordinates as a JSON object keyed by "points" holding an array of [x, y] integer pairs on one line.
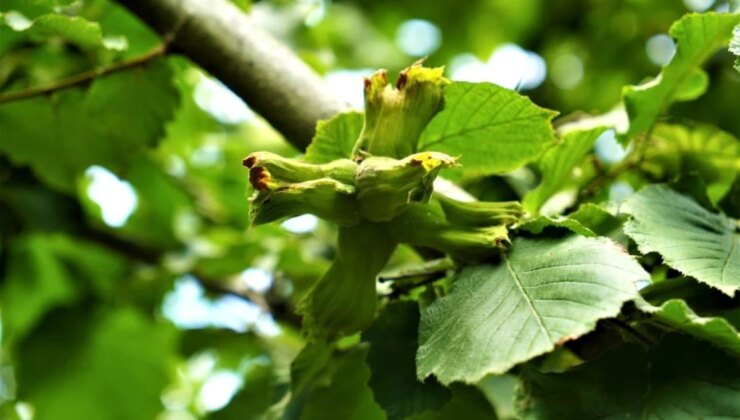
{"points": [[86, 76], [594, 186], [225, 287], [630, 162], [154, 256]]}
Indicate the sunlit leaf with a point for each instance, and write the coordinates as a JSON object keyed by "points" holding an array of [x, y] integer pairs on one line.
{"points": [[676, 314], [540, 223], [542, 294], [493, 129], [77, 30], [698, 37], [690, 239], [588, 220], [335, 138]]}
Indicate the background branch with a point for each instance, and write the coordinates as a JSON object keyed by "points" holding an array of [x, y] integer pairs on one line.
{"points": [[85, 76], [221, 39]]}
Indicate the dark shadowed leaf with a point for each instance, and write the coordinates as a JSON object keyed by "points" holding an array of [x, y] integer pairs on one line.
{"points": [[330, 385], [87, 364], [680, 378], [393, 342]]}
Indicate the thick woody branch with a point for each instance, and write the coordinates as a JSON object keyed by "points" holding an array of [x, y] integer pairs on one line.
{"points": [[216, 35]]}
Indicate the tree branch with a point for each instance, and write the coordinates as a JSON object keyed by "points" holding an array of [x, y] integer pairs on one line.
{"points": [[630, 162], [278, 308], [216, 35], [85, 76]]}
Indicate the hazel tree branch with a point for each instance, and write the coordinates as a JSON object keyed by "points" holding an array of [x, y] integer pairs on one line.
{"points": [[224, 41]]}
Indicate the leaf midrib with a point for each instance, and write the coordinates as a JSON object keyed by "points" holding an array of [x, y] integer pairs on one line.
{"points": [[518, 283], [474, 129]]}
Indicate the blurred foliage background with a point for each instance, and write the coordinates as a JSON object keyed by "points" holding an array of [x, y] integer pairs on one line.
{"points": [[130, 281]]}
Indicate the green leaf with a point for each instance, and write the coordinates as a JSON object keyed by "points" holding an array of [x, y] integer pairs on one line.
{"points": [[468, 402], [698, 36], [680, 378], [735, 46], [711, 153], [501, 392], [596, 218], [330, 385], [677, 314], [542, 294], [540, 223], [335, 138], [588, 220], [75, 30], [47, 271], [393, 341], [111, 124], [690, 239], [557, 165], [493, 129], [35, 282], [96, 365], [78, 31]]}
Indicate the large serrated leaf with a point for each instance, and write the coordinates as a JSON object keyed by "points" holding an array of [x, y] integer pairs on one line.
{"points": [[335, 138], [543, 293], [493, 129], [698, 36], [681, 378], [690, 239], [676, 313]]}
